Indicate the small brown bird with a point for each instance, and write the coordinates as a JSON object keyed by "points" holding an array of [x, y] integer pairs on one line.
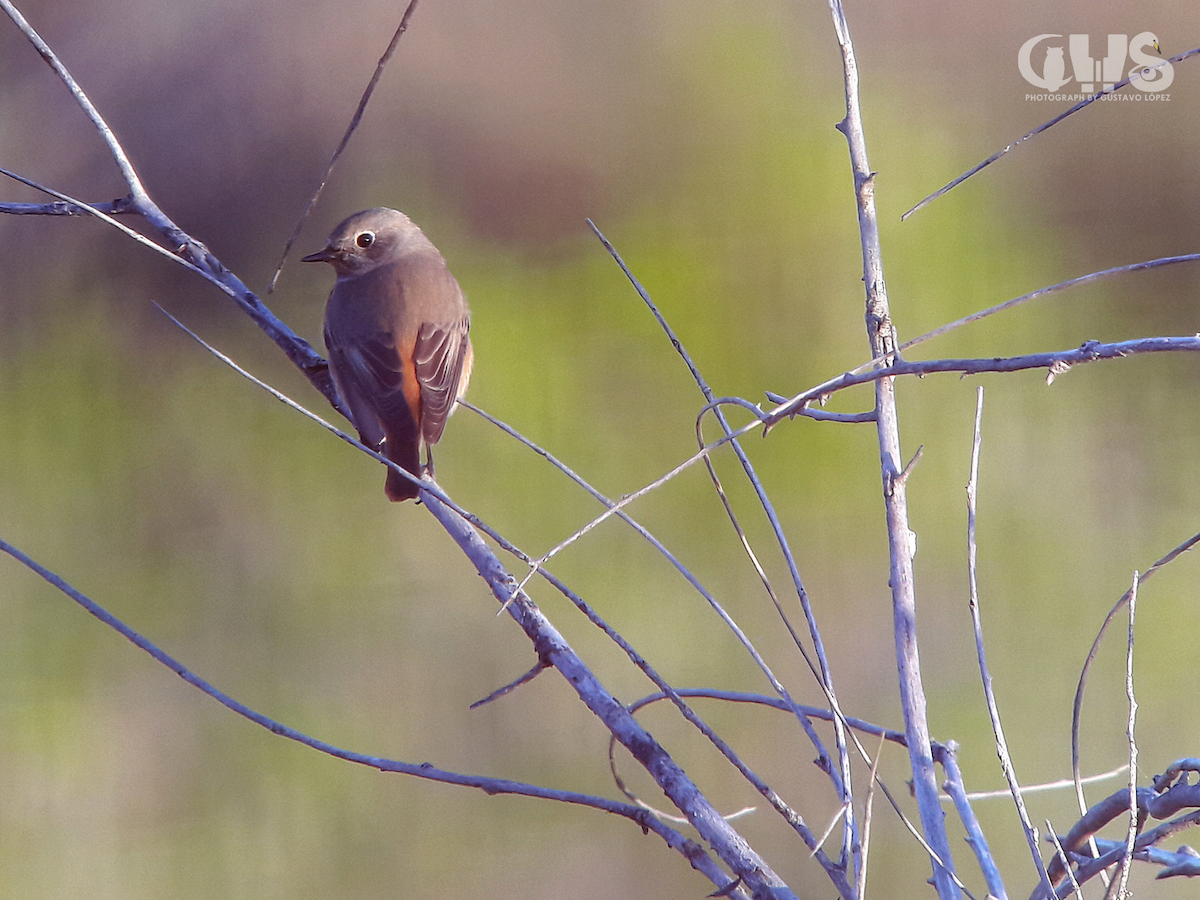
{"points": [[396, 330]]}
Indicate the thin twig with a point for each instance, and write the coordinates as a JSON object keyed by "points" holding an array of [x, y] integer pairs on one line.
{"points": [[799, 405], [195, 257], [539, 667], [641, 530], [788, 703], [119, 207], [763, 578], [817, 713], [1134, 812], [136, 190], [635, 799], [1058, 785], [78, 207], [1077, 706], [942, 330], [1043, 127], [902, 478], [842, 776], [822, 415], [822, 676], [627, 499], [837, 817], [1087, 352], [868, 808], [355, 120], [813, 712], [1066, 860], [1006, 763], [1047, 291]]}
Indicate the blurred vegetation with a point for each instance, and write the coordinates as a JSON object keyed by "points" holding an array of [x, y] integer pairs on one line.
{"points": [[260, 550]]}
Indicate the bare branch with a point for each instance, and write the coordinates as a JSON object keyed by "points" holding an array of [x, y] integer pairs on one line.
{"points": [[1089, 351], [883, 341], [1047, 291], [171, 236], [355, 120], [119, 207], [1006, 763], [1057, 785], [902, 478], [842, 776], [1170, 794], [823, 759], [635, 799], [610, 504], [1184, 861], [1077, 707], [1043, 127], [551, 646], [136, 191], [814, 712], [552, 649], [868, 807], [490, 786], [1135, 820], [1061, 856], [975, 837], [177, 246], [832, 716]]}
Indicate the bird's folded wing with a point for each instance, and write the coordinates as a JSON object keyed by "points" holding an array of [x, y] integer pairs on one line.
{"points": [[371, 372], [438, 357]]}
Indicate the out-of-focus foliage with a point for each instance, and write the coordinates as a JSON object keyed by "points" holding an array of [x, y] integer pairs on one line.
{"points": [[260, 550]]}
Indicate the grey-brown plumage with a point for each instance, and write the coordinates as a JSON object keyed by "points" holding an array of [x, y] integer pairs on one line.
{"points": [[396, 330]]}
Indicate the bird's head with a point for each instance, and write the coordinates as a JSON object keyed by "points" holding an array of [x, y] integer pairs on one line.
{"points": [[368, 239]]}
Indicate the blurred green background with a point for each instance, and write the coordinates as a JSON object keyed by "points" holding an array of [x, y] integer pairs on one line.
{"points": [[260, 551]]}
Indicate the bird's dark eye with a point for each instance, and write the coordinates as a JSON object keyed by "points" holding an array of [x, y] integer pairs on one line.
{"points": [[366, 239]]}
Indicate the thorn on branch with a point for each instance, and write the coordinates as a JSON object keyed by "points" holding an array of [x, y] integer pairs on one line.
{"points": [[903, 476], [728, 890], [533, 673]]}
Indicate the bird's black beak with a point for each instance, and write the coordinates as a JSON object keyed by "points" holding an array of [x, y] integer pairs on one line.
{"points": [[328, 254]]}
